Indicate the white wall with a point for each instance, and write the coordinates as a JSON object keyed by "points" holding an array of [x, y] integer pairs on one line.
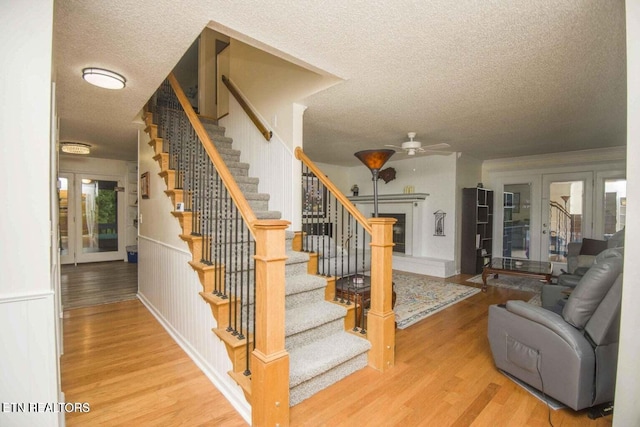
{"points": [[154, 214], [627, 404], [272, 85], [272, 162], [434, 175], [28, 359]]}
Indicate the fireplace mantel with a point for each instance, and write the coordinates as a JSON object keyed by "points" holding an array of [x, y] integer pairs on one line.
{"points": [[391, 198]]}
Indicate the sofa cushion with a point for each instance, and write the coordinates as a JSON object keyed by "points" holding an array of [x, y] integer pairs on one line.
{"points": [[592, 246], [590, 291]]}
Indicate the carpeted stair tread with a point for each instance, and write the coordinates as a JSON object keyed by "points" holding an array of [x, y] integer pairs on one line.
{"points": [[247, 180], [320, 356], [221, 139], [296, 257], [237, 165], [257, 196], [268, 214], [309, 316]]}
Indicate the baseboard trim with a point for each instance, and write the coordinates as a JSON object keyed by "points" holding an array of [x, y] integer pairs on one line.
{"points": [[242, 407]]}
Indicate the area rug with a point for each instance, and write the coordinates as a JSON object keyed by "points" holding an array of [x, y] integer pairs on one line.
{"points": [[528, 284], [418, 297]]}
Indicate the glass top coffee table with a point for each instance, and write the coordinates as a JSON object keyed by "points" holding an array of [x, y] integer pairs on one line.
{"points": [[516, 267]]}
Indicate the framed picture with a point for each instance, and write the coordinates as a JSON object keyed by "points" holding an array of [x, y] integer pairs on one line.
{"points": [[314, 197], [516, 202], [144, 185]]}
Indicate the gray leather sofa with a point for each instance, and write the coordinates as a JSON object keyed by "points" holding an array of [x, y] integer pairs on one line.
{"points": [[570, 356]]}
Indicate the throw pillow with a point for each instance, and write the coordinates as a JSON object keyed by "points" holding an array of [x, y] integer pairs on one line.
{"points": [[592, 246]]}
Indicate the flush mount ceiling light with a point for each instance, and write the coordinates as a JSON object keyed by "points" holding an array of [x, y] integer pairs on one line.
{"points": [[103, 78], [75, 148]]}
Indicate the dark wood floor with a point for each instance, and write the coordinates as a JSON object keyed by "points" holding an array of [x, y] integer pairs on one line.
{"points": [[97, 283], [444, 376]]}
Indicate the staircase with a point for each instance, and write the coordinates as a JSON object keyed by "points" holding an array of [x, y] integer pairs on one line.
{"points": [[320, 351]]}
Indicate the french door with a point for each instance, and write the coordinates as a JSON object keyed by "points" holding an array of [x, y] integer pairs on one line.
{"points": [[91, 218], [567, 213]]}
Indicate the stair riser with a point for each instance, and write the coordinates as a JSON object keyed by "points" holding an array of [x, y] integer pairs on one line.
{"points": [[302, 298], [239, 171], [214, 129], [248, 188], [295, 269], [310, 335]]}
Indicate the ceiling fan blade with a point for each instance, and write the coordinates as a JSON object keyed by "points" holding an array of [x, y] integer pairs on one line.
{"points": [[436, 146], [394, 146]]}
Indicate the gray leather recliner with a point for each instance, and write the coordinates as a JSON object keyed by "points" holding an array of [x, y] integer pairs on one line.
{"points": [[572, 356]]}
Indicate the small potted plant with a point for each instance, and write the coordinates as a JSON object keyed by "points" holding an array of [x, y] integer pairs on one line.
{"points": [[355, 190]]}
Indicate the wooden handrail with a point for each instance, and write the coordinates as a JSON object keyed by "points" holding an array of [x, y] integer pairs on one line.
{"points": [[362, 220], [247, 109], [236, 194]]}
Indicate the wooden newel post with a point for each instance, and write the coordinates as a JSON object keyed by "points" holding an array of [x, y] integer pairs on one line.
{"points": [[270, 360], [381, 319]]}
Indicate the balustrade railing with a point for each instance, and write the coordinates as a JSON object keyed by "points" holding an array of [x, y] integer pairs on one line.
{"points": [[560, 230], [226, 239], [356, 252]]}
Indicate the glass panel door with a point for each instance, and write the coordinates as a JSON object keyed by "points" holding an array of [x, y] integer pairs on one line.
{"points": [[615, 206], [90, 218], [566, 215], [99, 216], [66, 217], [98, 228], [516, 221]]}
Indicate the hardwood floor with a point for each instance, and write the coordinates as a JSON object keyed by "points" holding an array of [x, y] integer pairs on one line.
{"points": [[120, 360], [96, 283], [444, 376]]}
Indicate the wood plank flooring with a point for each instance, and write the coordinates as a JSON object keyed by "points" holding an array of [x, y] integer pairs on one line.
{"points": [[96, 283], [121, 361], [444, 376]]}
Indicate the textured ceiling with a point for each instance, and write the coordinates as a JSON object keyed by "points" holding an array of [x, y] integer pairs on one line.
{"points": [[493, 79]]}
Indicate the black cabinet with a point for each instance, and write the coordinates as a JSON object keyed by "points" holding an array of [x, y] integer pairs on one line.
{"points": [[477, 229]]}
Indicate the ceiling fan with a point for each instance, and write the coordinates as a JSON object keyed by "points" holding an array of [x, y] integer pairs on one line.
{"points": [[412, 147]]}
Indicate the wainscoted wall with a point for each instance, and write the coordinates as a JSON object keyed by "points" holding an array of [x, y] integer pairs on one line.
{"points": [[271, 161], [170, 289], [28, 372]]}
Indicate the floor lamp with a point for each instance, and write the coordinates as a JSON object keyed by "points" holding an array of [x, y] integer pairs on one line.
{"points": [[374, 160]]}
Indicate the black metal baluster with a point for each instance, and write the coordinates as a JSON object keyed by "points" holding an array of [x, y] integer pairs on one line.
{"points": [[233, 306], [243, 298]]}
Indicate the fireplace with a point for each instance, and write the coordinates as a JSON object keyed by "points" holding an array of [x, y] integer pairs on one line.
{"points": [[399, 231]]}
